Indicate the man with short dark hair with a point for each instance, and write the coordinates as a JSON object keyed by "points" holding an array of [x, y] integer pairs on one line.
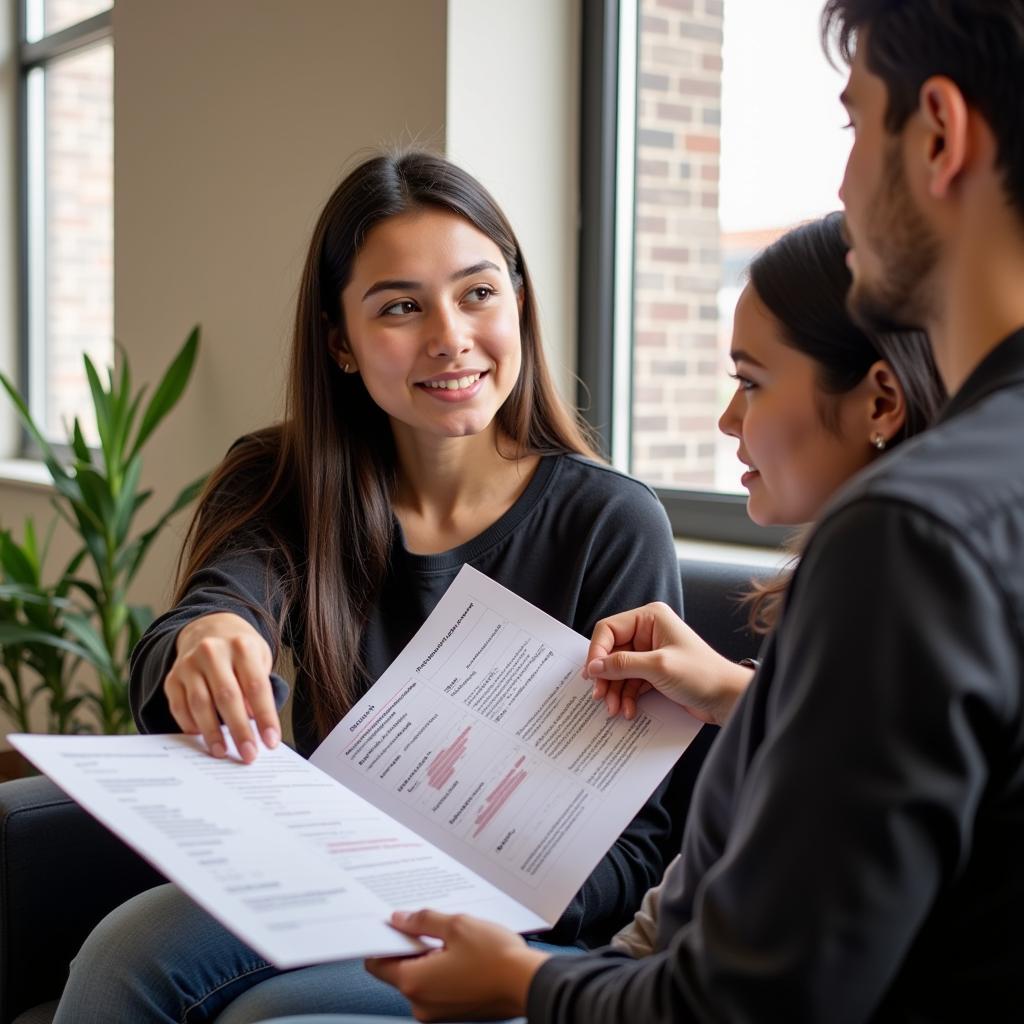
{"points": [[855, 850]]}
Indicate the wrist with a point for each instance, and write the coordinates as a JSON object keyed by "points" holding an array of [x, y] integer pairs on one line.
{"points": [[522, 965], [734, 683]]}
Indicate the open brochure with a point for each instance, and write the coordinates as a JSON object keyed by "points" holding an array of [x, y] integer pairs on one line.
{"points": [[477, 775]]}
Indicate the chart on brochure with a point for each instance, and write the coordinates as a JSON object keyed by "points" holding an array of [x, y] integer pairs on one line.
{"points": [[483, 736]]}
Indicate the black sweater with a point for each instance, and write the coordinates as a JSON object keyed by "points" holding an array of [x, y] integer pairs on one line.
{"points": [[582, 542]]}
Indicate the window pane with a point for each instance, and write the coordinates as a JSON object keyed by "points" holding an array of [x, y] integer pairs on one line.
{"points": [[738, 139], [71, 234], [44, 17]]}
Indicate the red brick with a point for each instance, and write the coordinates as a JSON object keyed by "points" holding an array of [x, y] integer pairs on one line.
{"points": [[702, 144]]}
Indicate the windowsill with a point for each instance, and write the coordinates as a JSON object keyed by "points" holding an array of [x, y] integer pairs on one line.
{"points": [[25, 473], [740, 554]]}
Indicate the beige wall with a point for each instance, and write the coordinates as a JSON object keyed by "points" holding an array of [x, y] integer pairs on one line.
{"points": [[513, 120], [233, 122]]}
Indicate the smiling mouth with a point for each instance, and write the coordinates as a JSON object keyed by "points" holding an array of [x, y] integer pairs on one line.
{"points": [[455, 384]]}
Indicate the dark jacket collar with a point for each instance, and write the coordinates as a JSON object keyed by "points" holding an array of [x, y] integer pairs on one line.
{"points": [[1003, 366]]}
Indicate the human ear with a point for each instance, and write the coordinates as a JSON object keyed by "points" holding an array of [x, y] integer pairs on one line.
{"points": [[337, 345], [886, 403], [946, 119]]}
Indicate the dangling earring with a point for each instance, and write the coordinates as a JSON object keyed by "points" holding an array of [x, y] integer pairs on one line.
{"points": [[879, 442]]}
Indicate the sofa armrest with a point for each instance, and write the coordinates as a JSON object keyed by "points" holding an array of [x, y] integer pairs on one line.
{"points": [[60, 873], [712, 605]]}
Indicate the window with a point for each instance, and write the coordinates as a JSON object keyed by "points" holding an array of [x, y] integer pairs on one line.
{"points": [[709, 128], [67, 203]]}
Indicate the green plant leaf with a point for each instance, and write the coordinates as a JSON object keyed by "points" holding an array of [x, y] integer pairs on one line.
{"points": [[133, 412], [97, 502], [32, 595], [101, 403], [16, 564], [124, 504], [185, 497], [142, 497], [15, 634], [82, 451], [94, 541], [67, 487], [169, 389], [57, 471], [30, 546], [87, 588], [67, 577], [50, 527], [120, 408], [82, 629]]}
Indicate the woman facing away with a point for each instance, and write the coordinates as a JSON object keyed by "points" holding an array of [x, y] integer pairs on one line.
{"points": [[422, 432], [817, 401]]}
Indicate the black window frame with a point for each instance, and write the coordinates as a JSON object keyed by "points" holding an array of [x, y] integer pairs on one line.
{"points": [[694, 514], [31, 55]]}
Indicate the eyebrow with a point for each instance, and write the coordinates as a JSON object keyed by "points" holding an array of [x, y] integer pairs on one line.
{"points": [[738, 355], [402, 285]]}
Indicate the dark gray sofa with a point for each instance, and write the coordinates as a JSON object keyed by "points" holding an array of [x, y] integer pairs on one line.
{"points": [[61, 872]]}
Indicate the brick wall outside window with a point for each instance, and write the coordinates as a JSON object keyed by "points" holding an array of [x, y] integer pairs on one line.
{"points": [[678, 365]]}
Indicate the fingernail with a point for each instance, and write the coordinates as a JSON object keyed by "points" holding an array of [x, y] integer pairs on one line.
{"points": [[399, 917], [596, 667], [271, 737], [248, 751], [594, 693], [218, 749]]}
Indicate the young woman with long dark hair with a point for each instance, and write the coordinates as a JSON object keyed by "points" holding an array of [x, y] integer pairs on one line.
{"points": [[422, 432]]}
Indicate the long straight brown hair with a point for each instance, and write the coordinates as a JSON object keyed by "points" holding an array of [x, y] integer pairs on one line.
{"points": [[316, 490]]}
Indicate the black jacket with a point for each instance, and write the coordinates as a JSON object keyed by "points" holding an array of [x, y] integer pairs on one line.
{"points": [[855, 850]]}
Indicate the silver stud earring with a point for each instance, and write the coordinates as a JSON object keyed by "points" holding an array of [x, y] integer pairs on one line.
{"points": [[879, 442]]}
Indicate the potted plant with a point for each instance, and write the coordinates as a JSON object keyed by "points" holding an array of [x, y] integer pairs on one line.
{"points": [[83, 619]]}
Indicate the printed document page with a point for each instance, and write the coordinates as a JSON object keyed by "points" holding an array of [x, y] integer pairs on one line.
{"points": [[298, 867], [482, 736]]}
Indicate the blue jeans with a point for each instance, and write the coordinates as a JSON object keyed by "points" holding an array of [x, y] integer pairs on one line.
{"points": [[160, 958]]}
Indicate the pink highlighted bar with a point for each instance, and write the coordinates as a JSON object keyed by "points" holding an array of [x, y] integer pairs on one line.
{"points": [[500, 796], [442, 768]]}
